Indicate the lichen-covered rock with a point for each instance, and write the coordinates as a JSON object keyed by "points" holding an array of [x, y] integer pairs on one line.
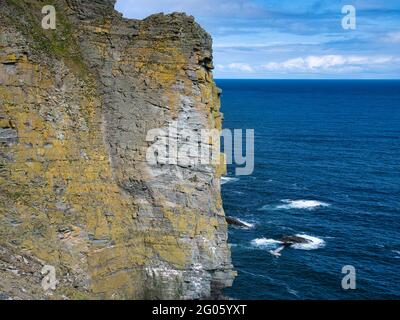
{"points": [[76, 192]]}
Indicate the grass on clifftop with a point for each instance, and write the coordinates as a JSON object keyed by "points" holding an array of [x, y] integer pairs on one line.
{"points": [[27, 18]]}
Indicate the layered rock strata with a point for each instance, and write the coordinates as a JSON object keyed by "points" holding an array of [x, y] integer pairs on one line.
{"points": [[76, 191]]}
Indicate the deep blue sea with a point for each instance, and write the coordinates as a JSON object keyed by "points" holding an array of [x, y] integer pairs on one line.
{"points": [[327, 165]]}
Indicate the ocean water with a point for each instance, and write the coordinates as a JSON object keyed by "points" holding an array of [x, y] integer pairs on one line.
{"points": [[327, 166]]}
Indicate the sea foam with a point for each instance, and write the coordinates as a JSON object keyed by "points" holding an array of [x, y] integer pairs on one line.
{"points": [[228, 179], [302, 204], [397, 256], [247, 224], [265, 243], [315, 243]]}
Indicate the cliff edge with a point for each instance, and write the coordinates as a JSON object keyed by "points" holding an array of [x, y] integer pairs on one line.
{"points": [[76, 191]]}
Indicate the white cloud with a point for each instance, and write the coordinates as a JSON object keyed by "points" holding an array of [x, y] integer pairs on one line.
{"points": [[316, 64], [244, 67], [337, 63], [393, 37], [241, 67]]}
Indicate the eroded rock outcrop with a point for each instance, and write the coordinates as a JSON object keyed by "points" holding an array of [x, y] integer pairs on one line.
{"points": [[76, 191]]}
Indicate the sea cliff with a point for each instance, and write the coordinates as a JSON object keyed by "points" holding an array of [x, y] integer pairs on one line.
{"points": [[76, 192]]}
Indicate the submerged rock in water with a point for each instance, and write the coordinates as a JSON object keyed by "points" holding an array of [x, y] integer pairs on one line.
{"points": [[237, 222], [289, 240]]}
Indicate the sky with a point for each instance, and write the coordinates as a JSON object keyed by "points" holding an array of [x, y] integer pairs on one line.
{"points": [[292, 39]]}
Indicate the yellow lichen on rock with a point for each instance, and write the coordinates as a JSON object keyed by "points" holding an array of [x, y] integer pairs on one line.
{"points": [[76, 191]]}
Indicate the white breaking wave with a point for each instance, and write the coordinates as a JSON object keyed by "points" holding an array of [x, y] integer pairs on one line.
{"points": [[265, 243], [266, 207], [237, 192], [293, 292], [302, 204], [228, 179], [315, 243], [397, 256], [247, 224]]}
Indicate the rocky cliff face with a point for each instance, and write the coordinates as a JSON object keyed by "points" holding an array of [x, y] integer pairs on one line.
{"points": [[76, 191]]}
